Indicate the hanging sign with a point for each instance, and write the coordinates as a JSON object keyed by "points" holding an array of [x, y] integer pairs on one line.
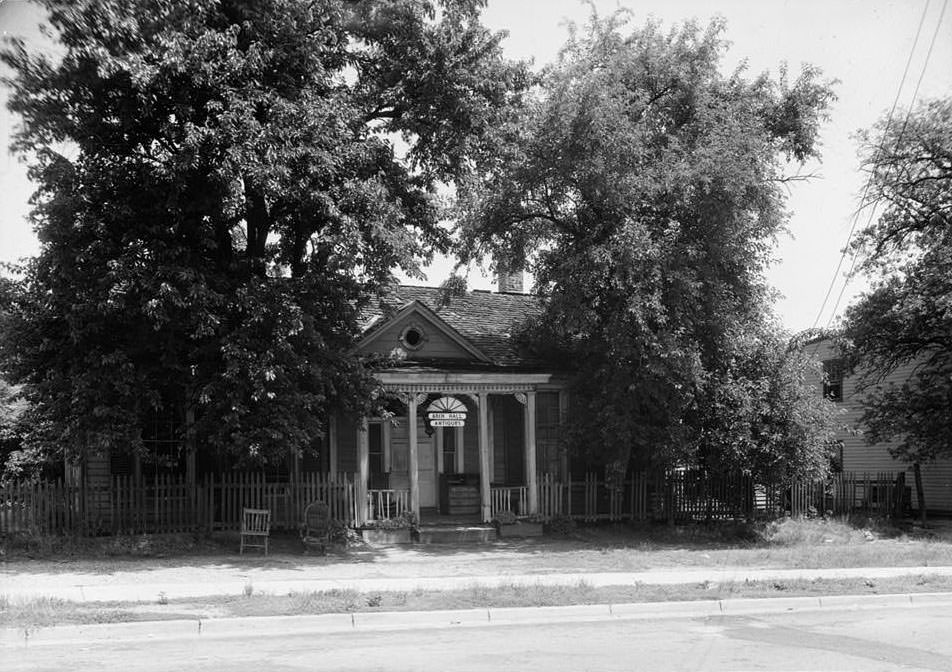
{"points": [[446, 412]]}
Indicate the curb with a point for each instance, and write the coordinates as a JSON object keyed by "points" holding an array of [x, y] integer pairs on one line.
{"points": [[412, 620]]}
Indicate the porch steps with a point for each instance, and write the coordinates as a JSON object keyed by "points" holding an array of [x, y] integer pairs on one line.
{"points": [[456, 534]]}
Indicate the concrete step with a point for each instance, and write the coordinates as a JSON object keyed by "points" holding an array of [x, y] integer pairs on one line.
{"points": [[454, 534]]}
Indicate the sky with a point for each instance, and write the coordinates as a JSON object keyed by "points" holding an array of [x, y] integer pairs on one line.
{"points": [[865, 44]]}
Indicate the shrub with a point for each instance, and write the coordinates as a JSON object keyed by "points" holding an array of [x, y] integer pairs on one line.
{"points": [[506, 517], [561, 525], [405, 520]]}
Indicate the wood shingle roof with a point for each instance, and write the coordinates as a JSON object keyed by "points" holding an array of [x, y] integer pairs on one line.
{"points": [[488, 320]]}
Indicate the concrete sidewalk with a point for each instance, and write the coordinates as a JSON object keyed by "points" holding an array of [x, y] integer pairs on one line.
{"points": [[183, 582], [326, 624]]}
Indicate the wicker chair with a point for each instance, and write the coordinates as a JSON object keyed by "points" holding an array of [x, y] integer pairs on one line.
{"points": [[317, 526], [255, 529]]}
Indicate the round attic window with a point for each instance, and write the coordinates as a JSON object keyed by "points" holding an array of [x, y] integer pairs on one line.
{"points": [[412, 337]]}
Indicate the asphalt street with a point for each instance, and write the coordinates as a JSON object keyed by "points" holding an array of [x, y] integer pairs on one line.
{"points": [[885, 638]]}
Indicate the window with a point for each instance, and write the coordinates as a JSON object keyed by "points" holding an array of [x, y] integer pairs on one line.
{"points": [[162, 440], [375, 445], [449, 450], [833, 379], [413, 337]]}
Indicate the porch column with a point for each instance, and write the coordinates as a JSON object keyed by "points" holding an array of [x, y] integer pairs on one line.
{"points": [[531, 477], [363, 470], [413, 467], [438, 442], [484, 471]]}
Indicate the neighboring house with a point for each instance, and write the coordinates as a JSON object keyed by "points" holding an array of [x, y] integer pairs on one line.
{"points": [[858, 456], [470, 415]]}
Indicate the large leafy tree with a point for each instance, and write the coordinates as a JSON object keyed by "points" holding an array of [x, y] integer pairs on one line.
{"points": [[645, 190], [906, 316], [221, 184]]}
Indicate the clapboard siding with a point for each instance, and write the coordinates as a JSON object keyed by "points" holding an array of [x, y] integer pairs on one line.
{"points": [[860, 456], [436, 344]]}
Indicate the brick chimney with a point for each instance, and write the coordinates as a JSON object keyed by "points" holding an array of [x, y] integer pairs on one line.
{"points": [[510, 281]]}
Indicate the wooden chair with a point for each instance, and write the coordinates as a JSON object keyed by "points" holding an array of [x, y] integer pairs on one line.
{"points": [[316, 528], [255, 529]]}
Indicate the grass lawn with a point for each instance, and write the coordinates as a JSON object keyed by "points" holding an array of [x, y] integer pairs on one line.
{"points": [[48, 612]]}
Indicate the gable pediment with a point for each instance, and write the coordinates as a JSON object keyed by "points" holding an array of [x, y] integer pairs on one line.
{"points": [[421, 334]]}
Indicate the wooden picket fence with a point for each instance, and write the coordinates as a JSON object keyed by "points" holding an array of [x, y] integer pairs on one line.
{"points": [[228, 494], [695, 495], [169, 504], [592, 499], [879, 494]]}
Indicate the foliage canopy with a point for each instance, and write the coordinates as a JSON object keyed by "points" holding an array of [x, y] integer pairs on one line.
{"points": [[906, 317], [220, 188], [644, 189]]}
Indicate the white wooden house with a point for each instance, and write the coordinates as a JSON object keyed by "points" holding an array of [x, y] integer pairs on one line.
{"points": [[858, 455], [459, 352]]}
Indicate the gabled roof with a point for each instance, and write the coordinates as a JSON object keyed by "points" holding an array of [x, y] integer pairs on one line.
{"points": [[486, 320], [417, 307]]}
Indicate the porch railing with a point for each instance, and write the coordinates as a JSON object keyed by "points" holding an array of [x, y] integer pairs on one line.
{"points": [[509, 498], [387, 504]]}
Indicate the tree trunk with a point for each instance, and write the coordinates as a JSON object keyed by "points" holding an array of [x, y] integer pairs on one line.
{"points": [[920, 495]]}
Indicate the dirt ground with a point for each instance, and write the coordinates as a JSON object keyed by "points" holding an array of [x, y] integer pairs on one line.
{"points": [[600, 549]]}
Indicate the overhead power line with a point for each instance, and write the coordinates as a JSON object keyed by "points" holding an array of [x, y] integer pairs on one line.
{"points": [[902, 131], [879, 151]]}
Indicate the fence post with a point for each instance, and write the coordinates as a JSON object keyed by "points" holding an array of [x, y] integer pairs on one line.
{"points": [[669, 497]]}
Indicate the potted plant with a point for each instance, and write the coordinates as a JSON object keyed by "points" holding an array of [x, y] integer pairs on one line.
{"points": [[509, 524], [397, 530]]}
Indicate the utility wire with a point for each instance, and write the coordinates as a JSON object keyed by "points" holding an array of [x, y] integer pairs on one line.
{"points": [[902, 132], [879, 151]]}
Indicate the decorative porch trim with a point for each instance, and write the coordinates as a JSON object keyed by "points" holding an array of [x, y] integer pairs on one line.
{"points": [[463, 381], [451, 388]]}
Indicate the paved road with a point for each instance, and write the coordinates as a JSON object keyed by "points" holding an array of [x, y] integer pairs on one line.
{"points": [[884, 639]]}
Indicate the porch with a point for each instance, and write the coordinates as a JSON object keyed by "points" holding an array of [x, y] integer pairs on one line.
{"points": [[482, 458]]}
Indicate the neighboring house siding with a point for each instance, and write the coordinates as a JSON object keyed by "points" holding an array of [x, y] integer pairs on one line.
{"points": [[862, 457]]}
